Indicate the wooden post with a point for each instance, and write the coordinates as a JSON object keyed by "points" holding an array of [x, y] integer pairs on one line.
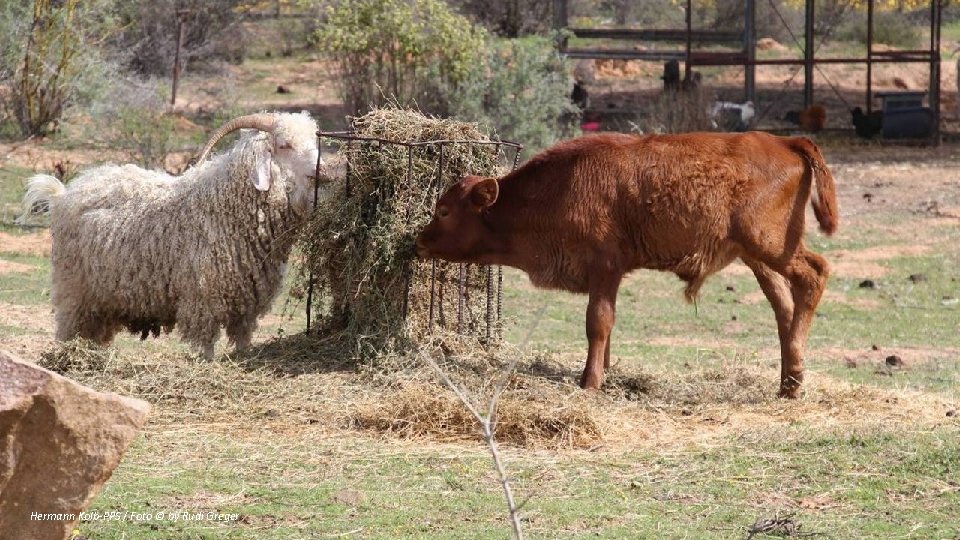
{"points": [[935, 15], [181, 14], [808, 54], [750, 50], [687, 67], [869, 56]]}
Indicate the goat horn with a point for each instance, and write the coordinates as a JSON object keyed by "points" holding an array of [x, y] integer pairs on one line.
{"points": [[262, 121]]}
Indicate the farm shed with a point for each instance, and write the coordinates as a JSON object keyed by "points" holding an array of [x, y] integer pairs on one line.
{"points": [[699, 48]]}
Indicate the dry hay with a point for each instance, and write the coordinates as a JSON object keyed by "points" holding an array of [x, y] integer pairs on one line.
{"points": [[535, 409], [555, 418], [359, 248], [301, 383], [184, 387]]}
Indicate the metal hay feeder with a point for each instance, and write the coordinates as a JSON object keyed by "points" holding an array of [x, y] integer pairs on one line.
{"points": [[468, 277]]}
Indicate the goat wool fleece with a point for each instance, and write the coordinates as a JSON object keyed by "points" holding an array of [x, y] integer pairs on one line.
{"points": [[147, 251]]}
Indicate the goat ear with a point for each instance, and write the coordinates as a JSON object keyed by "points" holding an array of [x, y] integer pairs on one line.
{"points": [[485, 192], [261, 173]]}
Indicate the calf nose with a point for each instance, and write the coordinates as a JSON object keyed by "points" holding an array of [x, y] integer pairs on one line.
{"points": [[420, 248]]}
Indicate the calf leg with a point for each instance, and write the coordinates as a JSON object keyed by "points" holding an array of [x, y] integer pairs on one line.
{"points": [[777, 290], [600, 318], [807, 274]]}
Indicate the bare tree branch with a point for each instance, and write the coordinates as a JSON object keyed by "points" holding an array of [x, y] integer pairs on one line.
{"points": [[488, 421]]}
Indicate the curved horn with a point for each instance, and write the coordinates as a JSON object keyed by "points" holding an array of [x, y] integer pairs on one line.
{"points": [[261, 121]]}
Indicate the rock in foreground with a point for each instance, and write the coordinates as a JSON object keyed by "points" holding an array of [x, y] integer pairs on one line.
{"points": [[59, 442]]}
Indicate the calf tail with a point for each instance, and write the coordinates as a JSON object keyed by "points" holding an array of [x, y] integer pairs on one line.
{"points": [[825, 202], [42, 189]]}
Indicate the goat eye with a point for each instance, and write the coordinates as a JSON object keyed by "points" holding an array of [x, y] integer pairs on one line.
{"points": [[443, 212]]}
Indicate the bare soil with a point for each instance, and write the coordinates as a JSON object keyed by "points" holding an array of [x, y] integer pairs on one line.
{"points": [[36, 244]]}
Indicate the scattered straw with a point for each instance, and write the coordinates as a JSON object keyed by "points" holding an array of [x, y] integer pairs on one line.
{"points": [[302, 381]]}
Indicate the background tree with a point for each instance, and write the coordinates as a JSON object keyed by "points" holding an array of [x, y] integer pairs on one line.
{"points": [[50, 58]]}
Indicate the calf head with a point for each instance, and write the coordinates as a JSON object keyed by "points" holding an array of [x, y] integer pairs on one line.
{"points": [[458, 231]]}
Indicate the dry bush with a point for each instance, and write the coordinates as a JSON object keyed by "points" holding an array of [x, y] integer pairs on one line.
{"points": [[212, 31], [50, 60]]}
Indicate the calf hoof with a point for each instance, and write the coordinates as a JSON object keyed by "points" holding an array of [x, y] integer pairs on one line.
{"points": [[590, 381], [790, 387], [789, 392]]}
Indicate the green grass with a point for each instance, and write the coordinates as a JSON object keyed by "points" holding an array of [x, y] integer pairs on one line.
{"points": [[841, 485], [26, 288], [11, 191], [950, 31]]}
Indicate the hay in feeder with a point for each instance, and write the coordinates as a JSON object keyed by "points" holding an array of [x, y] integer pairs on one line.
{"points": [[359, 247]]}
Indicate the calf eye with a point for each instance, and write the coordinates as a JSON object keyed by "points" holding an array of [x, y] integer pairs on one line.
{"points": [[443, 212]]}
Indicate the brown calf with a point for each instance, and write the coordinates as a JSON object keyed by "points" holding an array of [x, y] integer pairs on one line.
{"points": [[582, 214]]}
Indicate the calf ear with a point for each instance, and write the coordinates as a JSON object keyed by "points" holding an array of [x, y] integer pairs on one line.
{"points": [[484, 193]]}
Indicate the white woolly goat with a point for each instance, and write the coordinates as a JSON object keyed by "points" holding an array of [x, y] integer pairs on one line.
{"points": [[146, 251]]}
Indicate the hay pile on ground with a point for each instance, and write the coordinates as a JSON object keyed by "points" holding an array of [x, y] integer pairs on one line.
{"points": [[359, 248], [280, 386]]}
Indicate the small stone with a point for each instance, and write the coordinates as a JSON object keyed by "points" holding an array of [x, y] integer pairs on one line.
{"points": [[868, 284], [917, 278], [281, 89], [733, 317], [951, 413], [894, 361], [874, 347], [731, 288]]}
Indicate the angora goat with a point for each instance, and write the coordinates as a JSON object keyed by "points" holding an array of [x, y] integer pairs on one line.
{"points": [[146, 251]]}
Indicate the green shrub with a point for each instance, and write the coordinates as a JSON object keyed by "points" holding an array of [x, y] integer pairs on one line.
{"points": [[134, 120], [522, 90], [889, 28], [420, 54], [399, 51]]}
